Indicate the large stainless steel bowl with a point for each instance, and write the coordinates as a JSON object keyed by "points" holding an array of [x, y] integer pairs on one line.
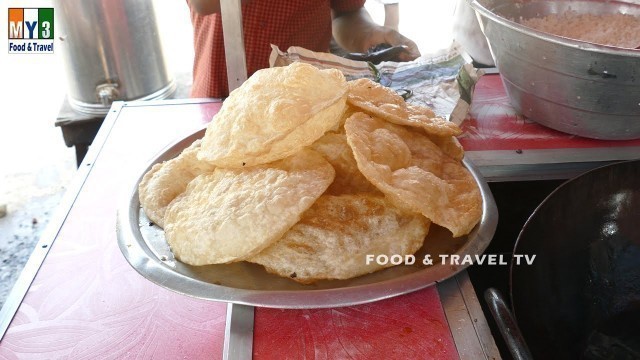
{"points": [[568, 85]]}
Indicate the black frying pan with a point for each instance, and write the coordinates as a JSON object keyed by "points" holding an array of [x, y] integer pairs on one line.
{"points": [[581, 297]]}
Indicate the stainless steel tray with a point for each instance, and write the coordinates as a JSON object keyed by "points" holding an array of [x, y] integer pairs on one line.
{"points": [[144, 246]]}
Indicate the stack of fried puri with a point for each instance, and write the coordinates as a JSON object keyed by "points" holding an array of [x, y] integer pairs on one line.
{"points": [[306, 174]]}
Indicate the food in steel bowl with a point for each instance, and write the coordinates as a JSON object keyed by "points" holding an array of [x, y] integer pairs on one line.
{"points": [[569, 85], [620, 30]]}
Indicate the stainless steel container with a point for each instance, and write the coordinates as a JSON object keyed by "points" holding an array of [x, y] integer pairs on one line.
{"points": [[568, 85], [144, 246], [112, 51]]}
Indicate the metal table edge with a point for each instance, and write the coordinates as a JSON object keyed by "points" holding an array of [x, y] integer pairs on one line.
{"points": [[187, 101], [468, 325], [46, 241]]}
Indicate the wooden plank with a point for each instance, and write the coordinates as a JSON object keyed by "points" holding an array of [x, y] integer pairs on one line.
{"points": [[411, 326]]}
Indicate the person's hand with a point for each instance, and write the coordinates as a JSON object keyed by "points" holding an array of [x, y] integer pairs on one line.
{"points": [[356, 32], [384, 35]]}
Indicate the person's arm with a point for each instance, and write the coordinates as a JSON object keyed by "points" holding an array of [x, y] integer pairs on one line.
{"points": [[356, 32], [206, 7]]}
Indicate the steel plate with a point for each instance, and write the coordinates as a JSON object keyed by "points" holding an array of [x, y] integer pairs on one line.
{"points": [[144, 246]]}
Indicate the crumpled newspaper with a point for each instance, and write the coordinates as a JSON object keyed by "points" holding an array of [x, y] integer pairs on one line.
{"points": [[443, 82]]}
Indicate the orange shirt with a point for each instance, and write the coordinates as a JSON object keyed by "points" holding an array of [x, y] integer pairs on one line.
{"points": [[305, 23]]}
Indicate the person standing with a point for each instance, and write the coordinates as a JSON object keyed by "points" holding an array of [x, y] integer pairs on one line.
{"points": [[310, 24]]}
